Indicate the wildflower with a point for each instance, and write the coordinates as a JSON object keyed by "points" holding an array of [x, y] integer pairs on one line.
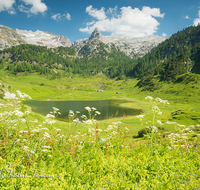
{"points": [[140, 116], [90, 122], [109, 128], [149, 98], [23, 95], [83, 116], [181, 125], [23, 120], [32, 152], [58, 129], [154, 129], [159, 122], [88, 108], [69, 139], [18, 113], [156, 109], [45, 128], [126, 128], [165, 102], [99, 130], [44, 150], [76, 120], [46, 147], [114, 133], [170, 123], [8, 95], [27, 112], [94, 109], [50, 116], [55, 109], [97, 113], [49, 155], [25, 147], [77, 112], [158, 99], [71, 114], [49, 121], [46, 135]]}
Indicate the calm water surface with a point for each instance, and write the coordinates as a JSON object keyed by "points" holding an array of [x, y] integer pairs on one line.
{"points": [[107, 108]]}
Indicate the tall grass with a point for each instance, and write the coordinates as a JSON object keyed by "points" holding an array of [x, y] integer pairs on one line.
{"points": [[36, 154]]}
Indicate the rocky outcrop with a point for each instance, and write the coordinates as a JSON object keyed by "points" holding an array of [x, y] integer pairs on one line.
{"points": [[10, 37], [96, 34], [44, 38], [133, 47]]}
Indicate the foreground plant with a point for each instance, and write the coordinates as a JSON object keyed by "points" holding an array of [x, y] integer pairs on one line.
{"points": [[36, 154]]}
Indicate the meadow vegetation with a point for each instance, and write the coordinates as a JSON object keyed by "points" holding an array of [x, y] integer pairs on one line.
{"points": [[158, 149], [40, 152]]}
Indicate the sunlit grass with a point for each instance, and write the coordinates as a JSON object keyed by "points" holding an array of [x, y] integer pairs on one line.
{"points": [[42, 153]]}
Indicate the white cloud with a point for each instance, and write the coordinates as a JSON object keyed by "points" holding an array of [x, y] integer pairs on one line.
{"points": [[7, 5], [187, 17], [98, 14], [67, 16], [164, 35], [33, 7], [196, 21], [130, 22], [58, 16]]}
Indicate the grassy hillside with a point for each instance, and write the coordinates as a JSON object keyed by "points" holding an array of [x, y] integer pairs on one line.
{"points": [[38, 152], [158, 149]]}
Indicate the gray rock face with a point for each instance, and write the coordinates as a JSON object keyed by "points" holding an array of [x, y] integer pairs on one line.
{"points": [[10, 37], [44, 38], [133, 47], [96, 34]]}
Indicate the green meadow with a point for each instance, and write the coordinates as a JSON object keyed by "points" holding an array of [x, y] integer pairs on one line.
{"points": [[40, 152]]}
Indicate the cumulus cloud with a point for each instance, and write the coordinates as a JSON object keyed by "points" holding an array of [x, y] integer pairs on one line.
{"points": [[67, 16], [130, 22], [32, 7], [187, 17], [164, 35], [197, 20], [60, 16], [57, 17], [98, 14], [7, 5]]}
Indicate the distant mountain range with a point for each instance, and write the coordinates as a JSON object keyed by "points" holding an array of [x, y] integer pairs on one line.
{"points": [[133, 47]]}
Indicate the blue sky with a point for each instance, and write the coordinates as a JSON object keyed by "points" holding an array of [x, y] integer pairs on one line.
{"points": [[76, 19]]}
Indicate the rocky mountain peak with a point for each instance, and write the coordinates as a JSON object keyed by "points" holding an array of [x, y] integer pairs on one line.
{"points": [[96, 34]]}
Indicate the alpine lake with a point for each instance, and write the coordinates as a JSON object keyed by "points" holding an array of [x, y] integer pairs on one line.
{"points": [[107, 108]]}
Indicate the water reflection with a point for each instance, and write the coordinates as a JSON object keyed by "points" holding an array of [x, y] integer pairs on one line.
{"points": [[107, 108]]}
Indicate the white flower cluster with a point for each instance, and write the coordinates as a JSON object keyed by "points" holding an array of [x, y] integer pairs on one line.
{"points": [[158, 100], [8, 95], [156, 110], [23, 96]]}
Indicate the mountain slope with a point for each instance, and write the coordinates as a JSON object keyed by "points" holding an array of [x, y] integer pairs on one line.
{"points": [[133, 47], [175, 60], [10, 37]]}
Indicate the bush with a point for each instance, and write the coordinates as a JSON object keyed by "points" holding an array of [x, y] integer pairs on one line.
{"points": [[147, 130]]}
